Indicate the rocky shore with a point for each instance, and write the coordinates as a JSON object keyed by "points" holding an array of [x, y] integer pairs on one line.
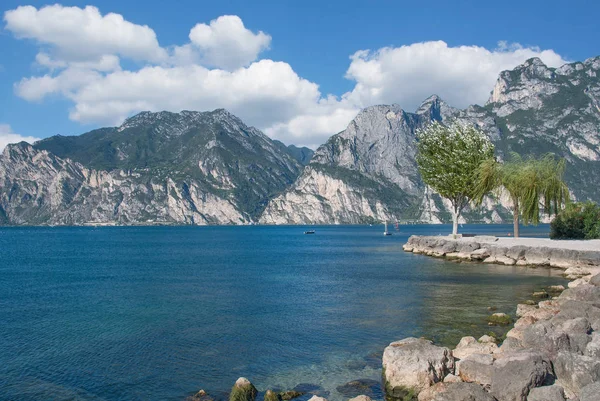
{"points": [[552, 353]]}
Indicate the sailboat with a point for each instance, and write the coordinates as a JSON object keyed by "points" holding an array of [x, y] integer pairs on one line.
{"points": [[386, 232]]}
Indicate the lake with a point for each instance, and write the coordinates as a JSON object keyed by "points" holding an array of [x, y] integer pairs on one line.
{"points": [[157, 313]]}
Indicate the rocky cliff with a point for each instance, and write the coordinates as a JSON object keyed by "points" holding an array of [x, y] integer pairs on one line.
{"points": [[368, 171], [184, 168]]}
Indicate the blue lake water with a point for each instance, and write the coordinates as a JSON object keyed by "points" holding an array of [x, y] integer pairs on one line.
{"points": [[156, 313]]}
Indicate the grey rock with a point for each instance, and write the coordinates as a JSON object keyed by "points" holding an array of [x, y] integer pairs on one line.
{"points": [[595, 280], [412, 365], [547, 393], [591, 392], [455, 392], [592, 349], [469, 345], [576, 371], [516, 373], [360, 398], [476, 368]]}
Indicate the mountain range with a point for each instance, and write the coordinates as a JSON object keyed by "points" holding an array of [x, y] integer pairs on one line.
{"points": [[211, 168]]}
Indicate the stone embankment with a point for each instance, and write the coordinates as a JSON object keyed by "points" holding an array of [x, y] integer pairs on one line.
{"points": [[511, 251]]}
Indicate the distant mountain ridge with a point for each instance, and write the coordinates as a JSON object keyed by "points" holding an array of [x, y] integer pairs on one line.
{"points": [[183, 168], [368, 171], [210, 168]]}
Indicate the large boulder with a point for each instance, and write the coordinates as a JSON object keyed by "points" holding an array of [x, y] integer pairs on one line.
{"points": [[412, 365], [455, 392], [547, 393], [476, 368], [516, 373], [469, 345], [243, 390], [576, 371], [595, 280]]}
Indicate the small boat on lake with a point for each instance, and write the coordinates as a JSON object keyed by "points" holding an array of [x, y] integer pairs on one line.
{"points": [[309, 232], [386, 232]]}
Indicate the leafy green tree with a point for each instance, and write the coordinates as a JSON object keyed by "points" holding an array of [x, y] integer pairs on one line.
{"points": [[449, 158], [530, 182], [578, 220]]}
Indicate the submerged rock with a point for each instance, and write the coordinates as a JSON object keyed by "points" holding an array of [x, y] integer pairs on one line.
{"points": [[369, 387], [200, 396], [290, 395], [270, 395], [501, 319], [243, 390], [412, 365]]}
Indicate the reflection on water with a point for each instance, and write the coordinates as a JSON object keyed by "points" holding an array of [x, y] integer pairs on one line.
{"points": [[156, 313]]}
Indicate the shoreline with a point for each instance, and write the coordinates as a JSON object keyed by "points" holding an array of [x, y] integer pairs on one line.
{"points": [[551, 353], [563, 254]]}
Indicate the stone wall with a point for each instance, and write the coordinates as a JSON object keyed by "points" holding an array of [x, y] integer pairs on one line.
{"points": [[488, 249]]}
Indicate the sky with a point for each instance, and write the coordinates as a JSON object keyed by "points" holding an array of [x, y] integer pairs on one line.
{"points": [[299, 71]]}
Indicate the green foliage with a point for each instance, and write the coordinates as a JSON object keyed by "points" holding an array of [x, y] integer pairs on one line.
{"points": [[449, 156], [529, 182], [579, 220], [448, 159]]}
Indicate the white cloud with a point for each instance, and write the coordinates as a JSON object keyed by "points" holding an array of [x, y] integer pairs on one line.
{"points": [[226, 43], [461, 75], [76, 34], [7, 136], [218, 68]]}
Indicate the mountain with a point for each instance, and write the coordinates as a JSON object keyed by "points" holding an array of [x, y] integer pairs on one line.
{"points": [[368, 171], [184, 168], [301, 154], [211, 168]]}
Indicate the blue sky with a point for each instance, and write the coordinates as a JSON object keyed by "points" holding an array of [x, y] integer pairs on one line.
{"points": [[289, 68]]}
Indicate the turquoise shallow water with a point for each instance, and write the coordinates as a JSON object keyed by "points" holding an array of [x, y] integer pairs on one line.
{"points": [[156, 313]]}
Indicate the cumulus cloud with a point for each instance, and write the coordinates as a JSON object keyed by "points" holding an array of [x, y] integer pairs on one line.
{"points": [[227, 43], [461, 75], [8, 136], [219, 67], [84, 34]]}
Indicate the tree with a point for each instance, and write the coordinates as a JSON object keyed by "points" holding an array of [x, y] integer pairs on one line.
{"points": [[529, 182], [449, 158]]}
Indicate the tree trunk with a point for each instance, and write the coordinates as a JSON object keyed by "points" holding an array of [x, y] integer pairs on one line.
{"points": [[515, 218], [455, 215]]}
